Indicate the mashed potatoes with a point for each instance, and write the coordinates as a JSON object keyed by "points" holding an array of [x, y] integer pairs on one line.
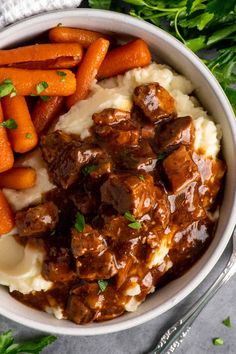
{"points": [[20, 267]]}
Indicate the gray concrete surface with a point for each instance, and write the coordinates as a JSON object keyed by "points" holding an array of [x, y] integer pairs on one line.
{"points": [[139, 339]]}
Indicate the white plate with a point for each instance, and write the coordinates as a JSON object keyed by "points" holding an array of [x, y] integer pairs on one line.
{"points": [[211, 96]]}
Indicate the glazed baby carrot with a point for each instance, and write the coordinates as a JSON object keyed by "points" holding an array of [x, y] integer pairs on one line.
{"points": [[132, 55], [59, 63], [23, 136], [39, 52], [18, 178], [40, 82], [6, 154], [45, 112], [73, 35], [6, 215], [88, 69]]}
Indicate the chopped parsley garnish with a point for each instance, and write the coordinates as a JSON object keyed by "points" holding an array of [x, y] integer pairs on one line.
{"points": [[28, 136], [135, 224], [102, 285], [62, 74], [79, 222], [9, 124], [218, 341], [6, 88], [9, 346], [88, 169], [161, 156], [227, 322], [141, 177], [41, 86], [44, 98]]}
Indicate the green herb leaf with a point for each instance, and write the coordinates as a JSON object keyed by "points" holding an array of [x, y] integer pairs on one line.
{"points": [[13, 93], [135, 224], [227, 322], [28, 136], [102, 285], [62, 74], [129, 216], [7, 345], [9, 124], [41, 86], [6, 339], [6, 88], [141, 177], [161, 156], [45, 98], [221, 7], [79, 222], [88, 169], [100, 4], [218, 341]]}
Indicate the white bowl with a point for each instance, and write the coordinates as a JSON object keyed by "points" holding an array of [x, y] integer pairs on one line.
{"points": [[213, 99]]}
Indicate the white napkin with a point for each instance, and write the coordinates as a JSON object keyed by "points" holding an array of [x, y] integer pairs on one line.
{"points": [[14, 10]]}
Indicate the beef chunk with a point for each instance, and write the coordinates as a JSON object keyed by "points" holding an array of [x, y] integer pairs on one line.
{"points": [[110, 116], [128, 192], [83, 303], [155, 101], [57, 267], [84, 202], [124, 133], [37, 221], [87, 242], [97, 267], [180, 169], [174, 132], [140, 157], [66, 156]]}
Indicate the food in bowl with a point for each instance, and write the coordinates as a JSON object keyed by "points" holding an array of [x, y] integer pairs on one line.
{"points": [[118, 188]]}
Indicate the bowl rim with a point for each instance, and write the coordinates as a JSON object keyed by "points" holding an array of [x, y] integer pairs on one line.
{"points": [[109, 327]]}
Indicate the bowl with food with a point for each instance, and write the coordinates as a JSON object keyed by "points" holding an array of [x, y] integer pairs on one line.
{"points": [[117, 172]]}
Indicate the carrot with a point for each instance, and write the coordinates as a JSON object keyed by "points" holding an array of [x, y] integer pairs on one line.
{"points": [[23, 138], [45, 112], [73, 35], [38, 52], [59, 63], [18, 178], [26, 81], [6, 154], [132, 55], [6, 215], [88, 69]]}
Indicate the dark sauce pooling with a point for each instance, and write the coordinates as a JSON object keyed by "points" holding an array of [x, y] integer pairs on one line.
{"points": [[131, 208]]}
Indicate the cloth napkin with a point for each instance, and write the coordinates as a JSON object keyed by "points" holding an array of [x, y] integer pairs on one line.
{"points": [[14, 10]]}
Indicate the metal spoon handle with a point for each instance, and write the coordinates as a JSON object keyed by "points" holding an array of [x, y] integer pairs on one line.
{"points": [[174, 336]]}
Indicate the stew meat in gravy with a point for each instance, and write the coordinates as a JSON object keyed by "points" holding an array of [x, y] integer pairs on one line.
{"points": [[133, 207]]}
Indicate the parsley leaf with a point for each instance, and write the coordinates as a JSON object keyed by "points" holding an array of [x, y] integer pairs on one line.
{"points": [[7, 345], [79, 222], [45, 98], [227, 322], [161, 156], [41, 86], [102, 285], [218, 341], [88, 169], [6, 88], [62, 74], [9, 124], [141, 177], [221, 7], [135, 224], [28, 136], [100, 4]]}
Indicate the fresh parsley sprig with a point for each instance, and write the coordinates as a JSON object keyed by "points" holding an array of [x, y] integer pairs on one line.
{"points": [[8, 345], [199, 24], [135, 224]]}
